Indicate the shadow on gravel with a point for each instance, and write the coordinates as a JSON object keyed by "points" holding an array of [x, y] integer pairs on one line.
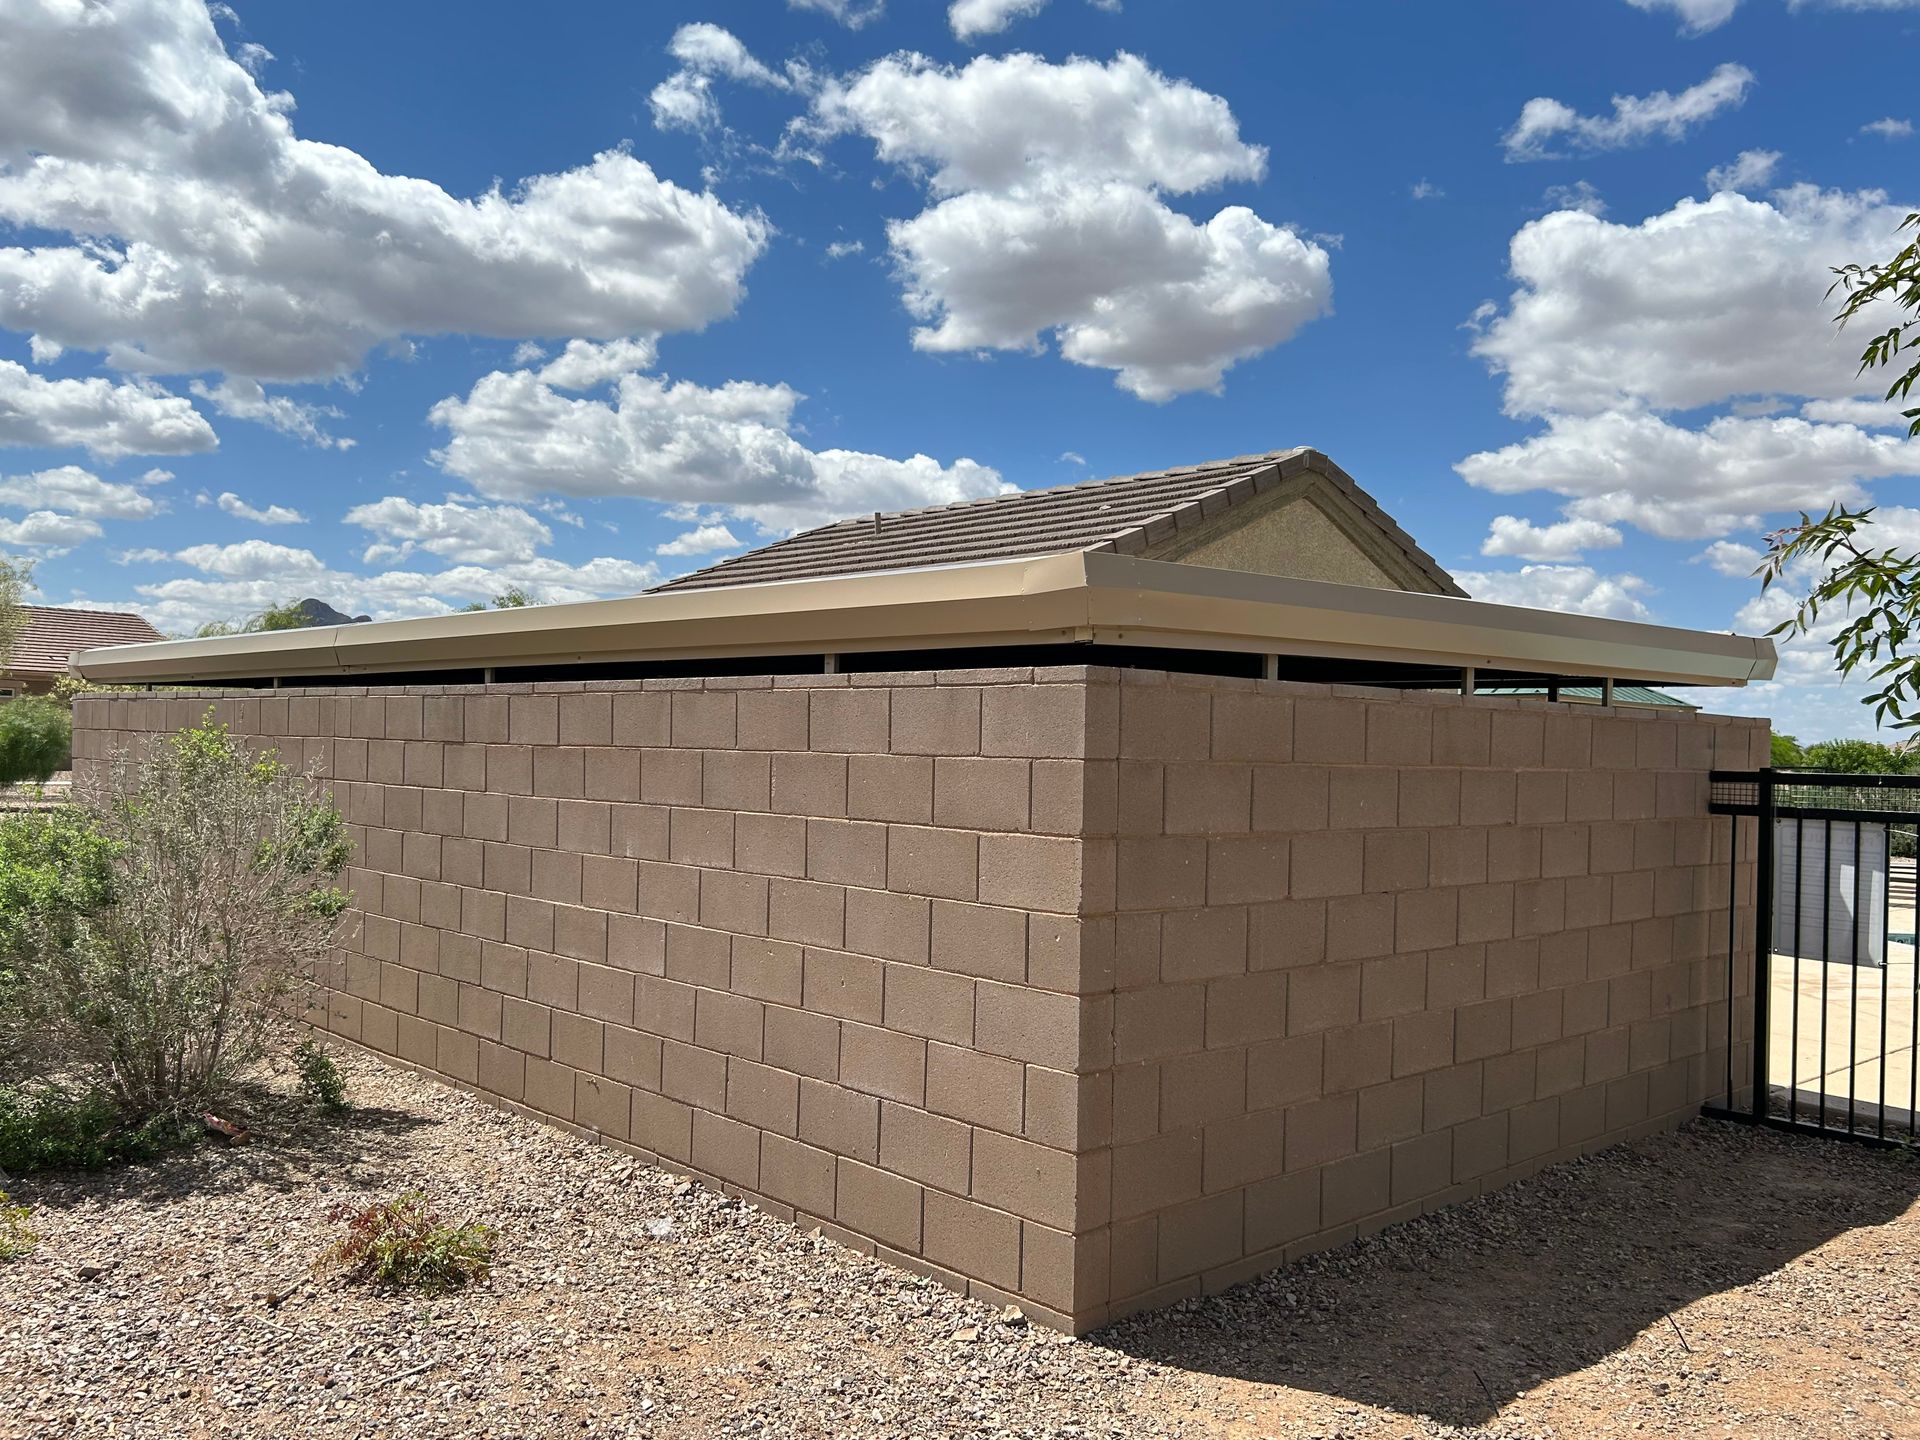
{"points": [[289, 1147], [1452, 1315]]}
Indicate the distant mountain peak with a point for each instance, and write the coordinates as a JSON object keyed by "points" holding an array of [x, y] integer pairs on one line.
{"points": [[318, 612]]}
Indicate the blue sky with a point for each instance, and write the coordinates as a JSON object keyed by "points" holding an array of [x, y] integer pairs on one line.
{"points": [[348, 301]]}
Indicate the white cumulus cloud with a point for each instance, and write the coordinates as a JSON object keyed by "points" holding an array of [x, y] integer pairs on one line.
{"points": [[1546, 124], [272, 515], [1617, 331], [1607, 314], [1047, 216], [251, 560], [1563, 540], [1732, 559], [1581, 195], [1870, 412], [851, 13], [248, 400], [701, 540], [575, 427], [1574, 589], [1626, 467], [1749, 170], [1699, 16], [107, 419], [74, 491], [465, 533], [706, 52], [208, 236], [971, 19], [231, 582], [1696, 16], [45, 530], [1000, 122]]}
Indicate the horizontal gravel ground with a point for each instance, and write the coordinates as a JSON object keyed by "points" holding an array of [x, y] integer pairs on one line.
{"points": [[1718, 1282]]}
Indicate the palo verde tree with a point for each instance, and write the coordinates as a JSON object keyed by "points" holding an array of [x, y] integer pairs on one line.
{"points": [[1877, 587], [514, 597], [285, 616]]}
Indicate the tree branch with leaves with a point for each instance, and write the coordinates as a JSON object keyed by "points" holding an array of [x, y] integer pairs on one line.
{"points": [[1877, 587]]}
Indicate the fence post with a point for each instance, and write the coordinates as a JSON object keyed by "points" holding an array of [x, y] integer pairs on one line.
{"points": [[1762, 940]]}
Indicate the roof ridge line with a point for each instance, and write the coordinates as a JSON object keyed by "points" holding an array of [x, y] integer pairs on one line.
{"points": [[1171, 472]]}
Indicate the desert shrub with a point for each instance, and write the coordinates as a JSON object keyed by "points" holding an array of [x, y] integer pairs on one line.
{"points": [[52, 863], [68, 688], [221, 871], [406, 1242], [320, 1079], [36, 739], [46, 1127], [54, 867], [16, 1236]]}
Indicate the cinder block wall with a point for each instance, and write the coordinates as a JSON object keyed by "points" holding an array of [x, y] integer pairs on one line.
{"points": [[1377, 952], [1080, 988], [817, 940]]}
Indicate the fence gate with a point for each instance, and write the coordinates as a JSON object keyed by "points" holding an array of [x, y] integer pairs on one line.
{"points": [[1835, 1007]]}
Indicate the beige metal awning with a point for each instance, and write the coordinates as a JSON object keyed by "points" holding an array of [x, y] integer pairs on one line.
{"points": [[1085, 597]]}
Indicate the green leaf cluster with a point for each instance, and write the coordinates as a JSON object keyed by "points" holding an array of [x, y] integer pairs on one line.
{"points": [[50, 1127], [405, 1242], [161, 935], [36, 739], [514, 597], [1876, 587], [1895, 283], [17, 1237], [285, 616]]}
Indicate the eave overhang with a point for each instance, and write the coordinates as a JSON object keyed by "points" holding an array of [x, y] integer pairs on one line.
{"points": [[1074, 597]]}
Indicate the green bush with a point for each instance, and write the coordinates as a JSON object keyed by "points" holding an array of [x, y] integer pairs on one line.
{"points": [[1856, 757], [404, 1242], [320, 1079], [221, 867], [43, 1127], [55, 866], [16, 1236], [36, 739], [53, 863]]}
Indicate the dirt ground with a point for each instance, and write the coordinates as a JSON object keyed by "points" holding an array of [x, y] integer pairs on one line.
{"points": [[1718, 1282]]}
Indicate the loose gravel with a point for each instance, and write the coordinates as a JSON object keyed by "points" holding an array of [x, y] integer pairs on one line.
{"points": [[1717, 1282]]}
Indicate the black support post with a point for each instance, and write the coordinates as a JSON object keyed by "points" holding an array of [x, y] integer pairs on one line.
{"points": [[1762, 940]]}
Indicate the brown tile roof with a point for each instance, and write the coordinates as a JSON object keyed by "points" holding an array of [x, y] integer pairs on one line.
{"points": [[54, 632], [1129, 514]]}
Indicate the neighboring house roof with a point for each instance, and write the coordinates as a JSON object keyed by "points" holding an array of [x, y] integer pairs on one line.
{"points": [[1144, 515], [1622, 695], [53, 633]]}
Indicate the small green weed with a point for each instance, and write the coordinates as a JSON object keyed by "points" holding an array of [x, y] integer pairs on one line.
{"points": [[404, 1242], [320, 1079], [16, 1236], [44, 1128]]}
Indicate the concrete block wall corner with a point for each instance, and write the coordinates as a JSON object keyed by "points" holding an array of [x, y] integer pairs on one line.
{"points": [[1075, 988]]}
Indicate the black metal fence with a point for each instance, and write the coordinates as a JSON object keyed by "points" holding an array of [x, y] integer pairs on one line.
{"points": [[1836, 1011]]}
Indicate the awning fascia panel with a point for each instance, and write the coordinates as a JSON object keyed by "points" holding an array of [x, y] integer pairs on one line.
{"points": [[1078, 596]]}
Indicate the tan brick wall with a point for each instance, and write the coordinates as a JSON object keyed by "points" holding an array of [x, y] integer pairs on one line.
{"points": [[816, 940], [1081, 988], [1375, 953]]}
